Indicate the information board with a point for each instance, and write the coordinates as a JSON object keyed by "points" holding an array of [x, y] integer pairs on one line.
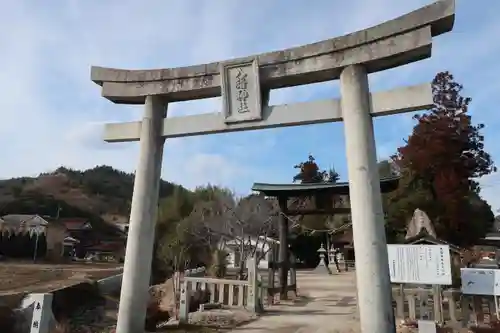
{"points": [[419, 264], [480, 281], [426, 326]]}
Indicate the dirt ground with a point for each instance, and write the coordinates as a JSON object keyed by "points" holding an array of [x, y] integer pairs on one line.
{"points": [[18, 277]]}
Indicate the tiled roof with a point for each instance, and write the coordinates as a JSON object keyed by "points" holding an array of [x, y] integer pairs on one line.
{"points": [[424, 237], [386, 185], [24, 218], [71, 240], [75, 223]]}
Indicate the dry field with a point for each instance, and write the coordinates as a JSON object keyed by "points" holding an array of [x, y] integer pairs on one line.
{"points": [[18, 277]]}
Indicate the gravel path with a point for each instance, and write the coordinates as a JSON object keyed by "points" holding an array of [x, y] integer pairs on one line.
{"points": [[327, 305]]}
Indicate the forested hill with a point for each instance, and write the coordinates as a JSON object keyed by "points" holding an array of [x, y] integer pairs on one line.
{"points": [[102, 194]]}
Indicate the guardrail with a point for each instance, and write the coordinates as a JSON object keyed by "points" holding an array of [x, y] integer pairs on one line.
{"points": [[110, 284], [246, 294]]}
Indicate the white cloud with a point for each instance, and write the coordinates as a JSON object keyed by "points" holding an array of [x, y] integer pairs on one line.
{"points": [[490, 187], [216, 168], [51, 113]]}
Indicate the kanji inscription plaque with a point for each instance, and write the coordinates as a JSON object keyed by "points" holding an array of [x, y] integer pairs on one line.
{"points": [[241, 96]]}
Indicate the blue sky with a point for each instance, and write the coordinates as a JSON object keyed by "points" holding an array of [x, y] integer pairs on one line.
{"points": [[52, 114]]}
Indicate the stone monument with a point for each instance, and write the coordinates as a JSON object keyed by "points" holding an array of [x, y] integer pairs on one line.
{"points": [[244, 85], [419, 223]]}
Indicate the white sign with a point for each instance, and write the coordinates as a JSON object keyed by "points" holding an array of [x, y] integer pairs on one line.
{"points": [[42, 313], [420, 264], [478, 281], [241, 95], [426, 326]]}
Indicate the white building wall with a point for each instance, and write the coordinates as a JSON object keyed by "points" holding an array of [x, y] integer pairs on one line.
{"points": [[231, 249]]}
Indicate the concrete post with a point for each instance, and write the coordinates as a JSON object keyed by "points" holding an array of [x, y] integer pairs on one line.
{"points": [[293, 272], [260, 297], [137, 269], [253, 288], [370, 245], [184, 303], [272, 270], [283, 249], [42, 313]]}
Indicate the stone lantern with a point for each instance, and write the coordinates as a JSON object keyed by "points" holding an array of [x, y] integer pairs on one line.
{"points": [[322, 267]]}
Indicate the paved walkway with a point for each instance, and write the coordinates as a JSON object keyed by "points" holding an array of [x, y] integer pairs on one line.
{"points": [[327, 304]]}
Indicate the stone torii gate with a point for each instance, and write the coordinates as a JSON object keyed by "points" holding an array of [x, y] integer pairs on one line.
{"points": [[244, 85]]}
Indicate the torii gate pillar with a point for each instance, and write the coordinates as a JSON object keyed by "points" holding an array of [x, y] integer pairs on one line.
{"points": [[374, 299], [134, 295]]}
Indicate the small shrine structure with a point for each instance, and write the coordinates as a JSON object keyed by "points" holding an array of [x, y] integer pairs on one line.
{"points": [[420, 231]]}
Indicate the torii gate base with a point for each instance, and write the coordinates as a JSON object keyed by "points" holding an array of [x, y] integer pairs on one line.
{"points": [[244, 85]]}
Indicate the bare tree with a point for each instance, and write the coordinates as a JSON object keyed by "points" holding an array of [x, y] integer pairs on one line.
{"points": [[174, 247], [242, 223]]}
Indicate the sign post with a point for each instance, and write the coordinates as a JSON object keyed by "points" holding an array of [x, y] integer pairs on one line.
{"points": [[421, 264], [481, 281], [42, 313]]}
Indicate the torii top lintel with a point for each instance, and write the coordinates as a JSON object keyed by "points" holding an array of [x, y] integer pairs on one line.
{"points": [[393, 43]]}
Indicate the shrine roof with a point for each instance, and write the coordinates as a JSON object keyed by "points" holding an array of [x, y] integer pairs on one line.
{"points": [[491, 239], [424, 238], [299, 190]]}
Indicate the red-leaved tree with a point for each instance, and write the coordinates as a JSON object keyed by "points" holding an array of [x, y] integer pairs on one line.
{"points": [[445, 155]]}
